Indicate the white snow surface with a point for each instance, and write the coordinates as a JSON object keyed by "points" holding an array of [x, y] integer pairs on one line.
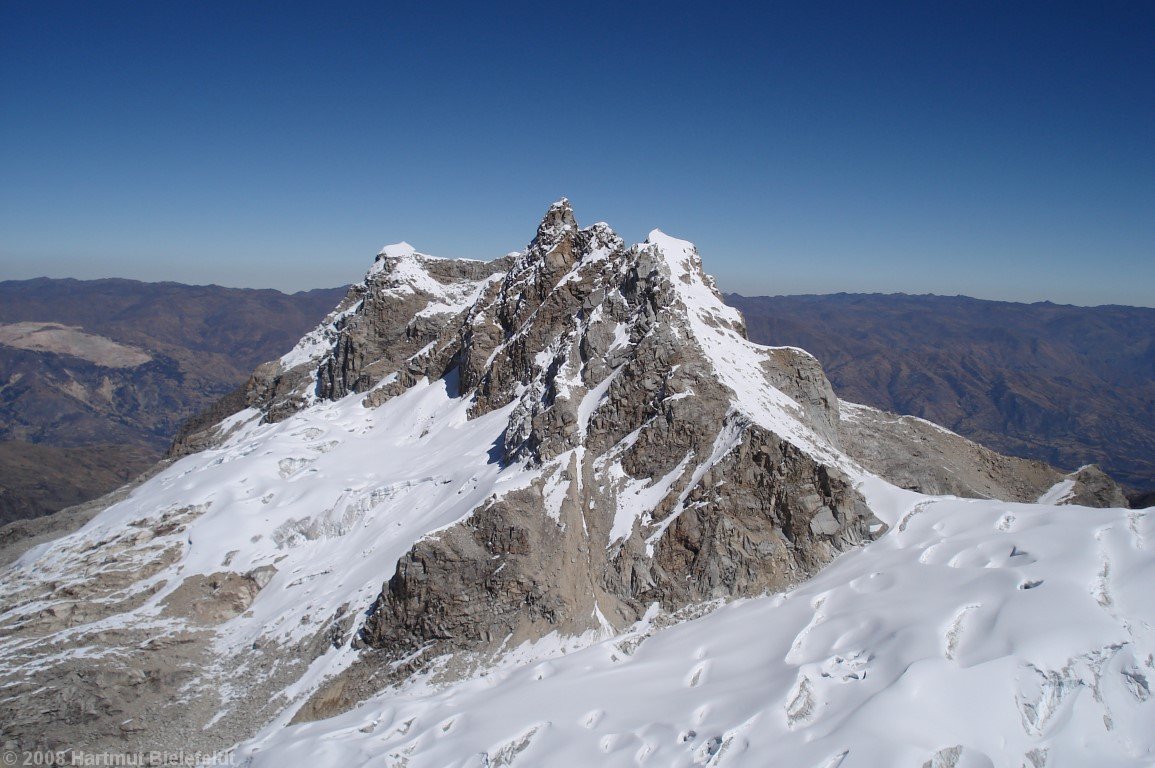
{"points": [[993, 630], [397, 250], [1059, 492], [331, 497]]}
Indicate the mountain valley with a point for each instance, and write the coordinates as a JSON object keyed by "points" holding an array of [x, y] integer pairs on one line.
{"points": [[97, 376]]}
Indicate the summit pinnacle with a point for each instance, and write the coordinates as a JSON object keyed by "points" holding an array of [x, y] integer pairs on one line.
{"points": [[557, 220]]}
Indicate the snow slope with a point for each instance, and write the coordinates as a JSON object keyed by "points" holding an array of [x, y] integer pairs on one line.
{"points": [[988, 633], [973, 633], [330, 498], [737, 360]]}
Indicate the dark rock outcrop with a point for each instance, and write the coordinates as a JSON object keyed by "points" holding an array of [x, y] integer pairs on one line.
{"points": [[1093, 488], [656, 483]]}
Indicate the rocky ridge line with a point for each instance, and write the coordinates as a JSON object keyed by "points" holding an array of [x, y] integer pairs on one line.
{"points": [[645, 452]]}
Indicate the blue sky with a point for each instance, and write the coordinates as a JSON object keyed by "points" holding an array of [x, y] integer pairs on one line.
{"points": [[1000, 150]]}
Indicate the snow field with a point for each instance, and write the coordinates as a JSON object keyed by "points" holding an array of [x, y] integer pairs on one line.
{"points": [[998, 633]]}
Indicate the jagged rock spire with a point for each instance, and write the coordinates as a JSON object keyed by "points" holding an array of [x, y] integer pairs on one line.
{"points": [[558, 220]]}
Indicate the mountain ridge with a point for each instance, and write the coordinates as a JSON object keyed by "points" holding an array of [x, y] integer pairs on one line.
{"points": [[848, 356], [576, 445], [1061, 384], [931, 295]]}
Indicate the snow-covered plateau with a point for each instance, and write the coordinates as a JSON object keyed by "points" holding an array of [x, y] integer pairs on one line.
{"points": [[556, 510], [975, 633]]}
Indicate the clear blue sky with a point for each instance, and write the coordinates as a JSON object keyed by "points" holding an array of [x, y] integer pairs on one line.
{"points": [[1001, 150]]}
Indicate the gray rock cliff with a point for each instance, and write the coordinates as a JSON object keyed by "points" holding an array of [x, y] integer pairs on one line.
{"points": [[656, 484]]}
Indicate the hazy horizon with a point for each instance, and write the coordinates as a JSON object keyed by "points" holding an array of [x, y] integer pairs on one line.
{"points": [[1000, 152], [723, 288]]}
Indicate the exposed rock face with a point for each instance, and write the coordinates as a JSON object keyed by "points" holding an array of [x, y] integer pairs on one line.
{"points": [[400, 311], [215, 598], [1093, 488], [761, 520], [924, 457], [916, 454], [657, 483], [403, 304]]}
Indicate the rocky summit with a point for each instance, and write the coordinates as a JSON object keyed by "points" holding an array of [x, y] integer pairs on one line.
{"points": [[469, 468]]}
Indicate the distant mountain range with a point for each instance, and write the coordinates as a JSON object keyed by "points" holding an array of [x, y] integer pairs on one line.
{"points": [[1063, 384], [96, 376]]}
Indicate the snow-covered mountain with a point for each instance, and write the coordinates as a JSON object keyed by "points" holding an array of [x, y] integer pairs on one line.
{"points": [[975, 633], [556, 509]]}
